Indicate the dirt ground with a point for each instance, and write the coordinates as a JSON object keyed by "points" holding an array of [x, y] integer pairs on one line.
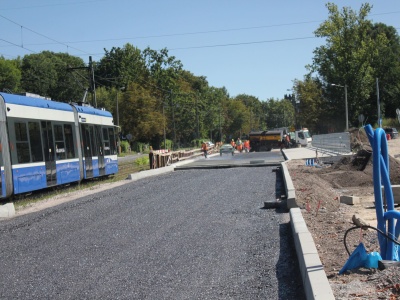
{"points": [[318, 191]]}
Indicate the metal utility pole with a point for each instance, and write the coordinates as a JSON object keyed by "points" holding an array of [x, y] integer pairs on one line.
{"points": [[92, 82], [220, 130], [173, 119], [347, 108], [197, 117], [165, 135], [117, 110], [92, 88]]}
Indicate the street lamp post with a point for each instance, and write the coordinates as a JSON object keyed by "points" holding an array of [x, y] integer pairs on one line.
{"points": [[345, 101]]}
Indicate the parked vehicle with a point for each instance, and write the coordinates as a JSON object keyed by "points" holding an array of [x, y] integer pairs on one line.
{"points": [[45, 143], [226, 148], [210, 144], [301, 137], [392, 131]]}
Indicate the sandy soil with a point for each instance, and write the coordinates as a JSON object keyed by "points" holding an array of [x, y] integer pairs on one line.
{"points": [[318, 192]]}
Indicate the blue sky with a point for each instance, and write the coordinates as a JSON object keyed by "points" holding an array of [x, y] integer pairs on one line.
{"points": [[255, 47]]}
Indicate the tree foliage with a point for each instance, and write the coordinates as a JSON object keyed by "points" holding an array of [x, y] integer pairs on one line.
{"points": [[310, 105], [121, 66], [356, 53], [48, 74], [10, 74]]}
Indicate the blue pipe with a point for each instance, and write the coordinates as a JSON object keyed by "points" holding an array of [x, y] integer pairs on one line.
{"points": [[381, 174]]}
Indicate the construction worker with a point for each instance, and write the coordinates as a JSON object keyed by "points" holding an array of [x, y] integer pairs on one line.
{"points": [[233, 144], [239, 145], [204, 148], [246, 146]]}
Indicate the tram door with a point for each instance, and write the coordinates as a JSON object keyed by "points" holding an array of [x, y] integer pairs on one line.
{"points": [[100, 146], [88, 151], [49, 155]]}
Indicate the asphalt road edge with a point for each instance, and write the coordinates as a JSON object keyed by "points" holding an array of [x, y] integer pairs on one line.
{"points": [[315, 282]]}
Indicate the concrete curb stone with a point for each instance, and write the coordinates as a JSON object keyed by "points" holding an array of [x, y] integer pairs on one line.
{"points": [[7, 211], [315, 282]]}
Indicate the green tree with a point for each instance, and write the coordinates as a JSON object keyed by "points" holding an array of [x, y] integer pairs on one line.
{"points": [[47, 74], [346, 59], [163, 83], [255, 115], [121, 66], [310, 111], [10, 75], [279, 113], [140, 114], [236, 116], [387, 68]]}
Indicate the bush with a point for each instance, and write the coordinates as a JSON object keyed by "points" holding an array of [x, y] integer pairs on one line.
{"points": [[142, 161], [140, 147], [125, 148], [168, 144], [197, 143], [390, 123]]}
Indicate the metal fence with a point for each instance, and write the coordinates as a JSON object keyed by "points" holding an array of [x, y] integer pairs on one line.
{"points": [[334, 142]]}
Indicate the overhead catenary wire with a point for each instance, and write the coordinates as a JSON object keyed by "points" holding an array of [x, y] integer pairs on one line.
{"points": [[67, 44], [40, 34]]}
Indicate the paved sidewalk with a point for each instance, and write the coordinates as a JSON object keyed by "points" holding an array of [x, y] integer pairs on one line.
{"points": [[309, 152]]}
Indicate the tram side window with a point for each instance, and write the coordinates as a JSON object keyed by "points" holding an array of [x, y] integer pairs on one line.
{"points": [[35, 141], [106, 142], [113, 146], [22, 145], [95, 150], [85, 140], [59, 139], [99, 142], [69, 141]]}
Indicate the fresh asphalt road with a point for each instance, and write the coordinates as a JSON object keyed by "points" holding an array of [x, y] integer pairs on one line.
{"points": [[190, 234]]}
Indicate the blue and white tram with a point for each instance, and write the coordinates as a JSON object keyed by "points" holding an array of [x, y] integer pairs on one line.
{"points": [[41, 144], [97, 141]]}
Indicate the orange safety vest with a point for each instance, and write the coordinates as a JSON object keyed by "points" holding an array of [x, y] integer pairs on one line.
{"points": [[204, 146]]}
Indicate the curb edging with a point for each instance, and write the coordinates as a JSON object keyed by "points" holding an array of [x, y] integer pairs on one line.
{"points": [[7, 211], [315, 282]]}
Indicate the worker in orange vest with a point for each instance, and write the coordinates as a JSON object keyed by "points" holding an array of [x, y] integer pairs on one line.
{"points": [[239, 145], [204, 148], [246, 145], [233, 144]]}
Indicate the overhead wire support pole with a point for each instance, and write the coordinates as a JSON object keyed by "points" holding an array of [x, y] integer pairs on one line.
{"points": [[173, 118], [92, 82], [347, 108], [197, 117], [92, 88]]}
